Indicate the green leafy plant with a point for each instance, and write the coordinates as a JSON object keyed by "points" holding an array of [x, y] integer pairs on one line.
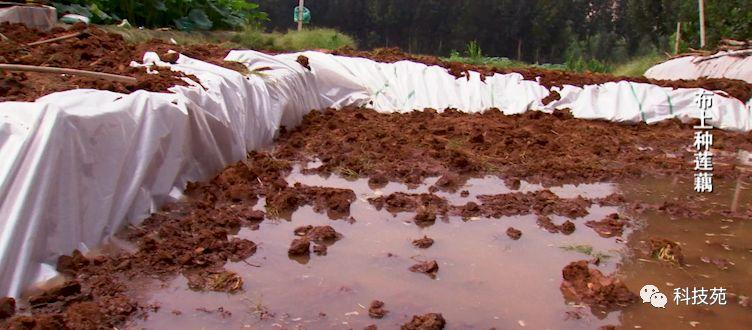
{"points": [[473, 50], [187, 15]]}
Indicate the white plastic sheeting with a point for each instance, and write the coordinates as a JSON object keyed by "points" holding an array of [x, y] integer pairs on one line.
{"points": [[404, 86], [721, 65], [38, 17], [78, 165], [625, 101]]}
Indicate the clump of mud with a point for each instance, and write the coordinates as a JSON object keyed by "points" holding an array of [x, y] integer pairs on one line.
{"points": [[423, 243], [583, 284], [427, 205], [303, 61], [430, 321], [611, 226], [219, 280], [335, 202], [376, 310], [514, 233], [429, 268], [665, 250], [299, 247], [7, 307], [318, 234]]}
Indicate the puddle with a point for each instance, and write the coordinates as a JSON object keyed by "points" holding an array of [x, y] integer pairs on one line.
{"points": [[485, 279], [709, 237]]}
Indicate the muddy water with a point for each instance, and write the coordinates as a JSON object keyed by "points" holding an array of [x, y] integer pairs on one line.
{"points": [[485, 278], [706, 237]]}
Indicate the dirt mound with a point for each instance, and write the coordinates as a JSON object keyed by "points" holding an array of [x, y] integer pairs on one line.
{"points": [[92, 50], [536, 147], [585, 285], [550, 78]]}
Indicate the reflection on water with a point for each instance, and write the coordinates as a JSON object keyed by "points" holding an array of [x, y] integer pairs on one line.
{"points": [[485, 279], [703, 240]]}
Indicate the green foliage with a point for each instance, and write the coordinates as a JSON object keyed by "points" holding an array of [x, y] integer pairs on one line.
{"points": [[581, 55], [249, 38], [609, 31], [187, 15], [254, 39], [637, 66], [308, 39], [723, 19], [473, 50], [294, 40], [579, 64]]}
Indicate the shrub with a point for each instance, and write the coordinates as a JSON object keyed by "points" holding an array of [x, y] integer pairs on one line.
{"points": [[186, 15]]}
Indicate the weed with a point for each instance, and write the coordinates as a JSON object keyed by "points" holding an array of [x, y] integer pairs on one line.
{"points": [[473, 50], [348, 173], [588, 250]]}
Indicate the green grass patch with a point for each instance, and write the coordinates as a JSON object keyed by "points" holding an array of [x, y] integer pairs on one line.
{"points": [[134, 35], [311, 39], [637, 66], [249, 38]]}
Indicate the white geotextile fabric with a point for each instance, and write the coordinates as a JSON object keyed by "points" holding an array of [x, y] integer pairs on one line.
{"points": [[404, 86], [78, 165], [722, 65]]}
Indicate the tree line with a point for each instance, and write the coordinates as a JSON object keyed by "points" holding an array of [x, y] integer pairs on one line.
{"points": [[539, 31]]}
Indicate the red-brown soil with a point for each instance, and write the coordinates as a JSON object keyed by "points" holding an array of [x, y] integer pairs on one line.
{"points": [[423, 243], [514, 233], [585, 285], [94, 50], [611, 226], [376, 310], [537, 147], [739, 89], [430, 321], [429, 268]]}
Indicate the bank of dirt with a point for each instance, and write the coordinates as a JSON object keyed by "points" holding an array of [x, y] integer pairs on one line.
{"points": [[92, 50], [739, 89]]}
